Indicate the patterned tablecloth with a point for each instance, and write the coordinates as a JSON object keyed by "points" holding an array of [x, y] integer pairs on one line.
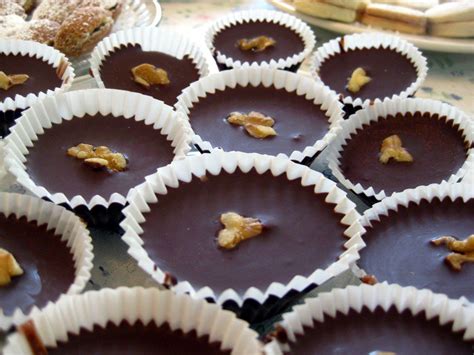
{"points": [[450, 78]]}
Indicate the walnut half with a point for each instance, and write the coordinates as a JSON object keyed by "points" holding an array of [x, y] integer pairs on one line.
{"points": [[256, 44], [392, 149], [148, 75], [98, 157], [7, 81], [358, 79], [9, 267], [463, 250], [255, 123], [237, 229]]}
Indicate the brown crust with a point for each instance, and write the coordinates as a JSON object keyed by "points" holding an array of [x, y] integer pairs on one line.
{"points": [[28, 329], [42, 31]]}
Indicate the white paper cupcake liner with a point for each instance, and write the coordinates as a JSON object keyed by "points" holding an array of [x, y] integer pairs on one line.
{"points": [[367, 41], [66, 226], [73, 313], [53, 110], [184, 170], [279, 79], [301, 28], [361, 297], [378, 111], [45, 53], [153, 39]]}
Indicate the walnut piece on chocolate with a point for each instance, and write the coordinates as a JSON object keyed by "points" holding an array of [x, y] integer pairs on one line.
{"points": [[392, 148], [255, 123], [9, 267], [358, 79], [98, 157], [237, 229], [148, 75], [463, 250], [7, 81], [256, 44]]}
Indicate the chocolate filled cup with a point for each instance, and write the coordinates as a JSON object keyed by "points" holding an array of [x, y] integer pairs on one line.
{"points": [[304, 230], [287, 41], [52, 250], [128, 136]]}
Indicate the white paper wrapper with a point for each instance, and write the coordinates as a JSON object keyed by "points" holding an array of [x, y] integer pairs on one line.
{"points": [[196, 166], [73, 313], [47, 54], [301, 28], [392, 107], [54, 110], [66, 226], [153, 39], [279, 79], [371, 40], [365, 296]]}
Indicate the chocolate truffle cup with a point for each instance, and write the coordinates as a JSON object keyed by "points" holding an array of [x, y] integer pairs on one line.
{"points": [[57, 323], [362, 41], [54, 111], [446, 206], [381, 297], [152, 39], [291, 63], [67, 227], [253, 304], [379, 112], [267, 78], [11, 107]]}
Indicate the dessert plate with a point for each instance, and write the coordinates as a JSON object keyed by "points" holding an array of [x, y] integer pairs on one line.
{"points": [[437, 44]]}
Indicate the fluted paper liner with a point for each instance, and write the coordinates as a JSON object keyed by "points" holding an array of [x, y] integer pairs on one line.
{"points": [[367, 41], [45, 53], [53, 110], [286, 20], [73, 313], [152, 39], [379, 111], [66, 226], [279, 79], [196, 166], [361, 297]]}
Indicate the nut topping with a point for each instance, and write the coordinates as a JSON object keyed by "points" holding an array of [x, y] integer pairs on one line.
{"points": [[7, 81], [98, 157], [358, 79], [392, 149], [256, 44], [463, 250], [255, 123], [9, 267], [237, 229], [148, 75]]}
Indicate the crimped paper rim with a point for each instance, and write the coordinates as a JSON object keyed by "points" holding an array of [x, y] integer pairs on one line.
{"points": [[366, 296], [53, 110], [74, 313], [152, 39], [47, 54], [66, 224], [291, 82], [392, 107], [214, 163], [301, 28], [371, 40]]}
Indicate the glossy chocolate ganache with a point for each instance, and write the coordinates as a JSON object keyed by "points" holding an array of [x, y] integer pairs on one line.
{"points": [[115, 72], [301, 232], [380, 332], [42, 76], [49, 165]]}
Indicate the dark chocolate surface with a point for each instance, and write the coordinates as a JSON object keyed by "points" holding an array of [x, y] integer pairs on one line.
{"points": [[399, 250], [288, 42], [136, 339], [391, 72], [49, 165], [438, 150], [298, 122], [366, 332], [42, 75], [116, 72], [46, 261], [302, 232]]}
